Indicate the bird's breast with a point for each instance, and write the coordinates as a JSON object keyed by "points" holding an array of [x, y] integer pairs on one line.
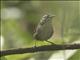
{"points": [[44, 32]]}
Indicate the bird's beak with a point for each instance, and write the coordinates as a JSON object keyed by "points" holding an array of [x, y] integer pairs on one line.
{"points": [[52, 16]]}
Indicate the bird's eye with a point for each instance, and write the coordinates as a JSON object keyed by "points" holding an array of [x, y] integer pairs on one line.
{"points": [[45, 16]]}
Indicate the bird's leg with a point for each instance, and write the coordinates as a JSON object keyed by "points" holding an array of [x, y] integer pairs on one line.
{"points": [[35, 43], [50, 42]]}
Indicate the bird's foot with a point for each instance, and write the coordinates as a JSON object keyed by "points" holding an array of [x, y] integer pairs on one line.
{"points": [[51, 43]]}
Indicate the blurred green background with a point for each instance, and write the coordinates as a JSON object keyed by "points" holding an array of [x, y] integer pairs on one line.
{"points": [[20, 18]]}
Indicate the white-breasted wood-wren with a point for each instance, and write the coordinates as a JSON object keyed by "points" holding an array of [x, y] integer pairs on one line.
{"points": [[44, 29]]}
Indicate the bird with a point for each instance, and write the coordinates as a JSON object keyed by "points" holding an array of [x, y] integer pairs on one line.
{"points": [[44, 29]]}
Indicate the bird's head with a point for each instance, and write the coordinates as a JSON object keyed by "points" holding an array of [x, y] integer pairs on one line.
{"points": [[46, 18]]}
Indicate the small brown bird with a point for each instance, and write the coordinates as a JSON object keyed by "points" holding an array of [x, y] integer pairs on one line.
{"points": [[44, 29]]}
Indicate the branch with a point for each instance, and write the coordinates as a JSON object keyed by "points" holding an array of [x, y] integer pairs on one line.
{"points": [[39, 49]]}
